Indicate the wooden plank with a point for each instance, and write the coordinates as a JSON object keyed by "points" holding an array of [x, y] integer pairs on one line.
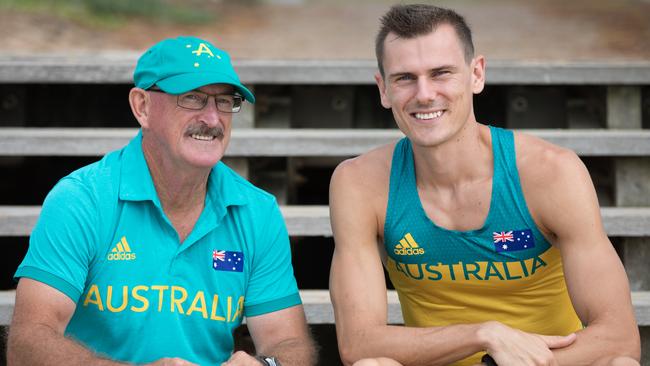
{"points": [[641, 302], [7, 299], [624, 107], [314, 220], [318, 307], [118, 69], [297, 142]]}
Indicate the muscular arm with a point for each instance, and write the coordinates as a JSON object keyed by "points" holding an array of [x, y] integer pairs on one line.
{"points": [[283, 334], [36, 335], [564, 203]]}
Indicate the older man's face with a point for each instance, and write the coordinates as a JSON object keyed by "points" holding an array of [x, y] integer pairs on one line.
{"points": [[184, 137]]}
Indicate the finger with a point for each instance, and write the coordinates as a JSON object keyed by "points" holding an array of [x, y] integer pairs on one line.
{"points": [[559, 341]]}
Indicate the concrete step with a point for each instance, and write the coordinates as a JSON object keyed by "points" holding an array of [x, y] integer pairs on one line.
{"points": [[118, 69], [314, 220], [297, 142], [318, 307]]}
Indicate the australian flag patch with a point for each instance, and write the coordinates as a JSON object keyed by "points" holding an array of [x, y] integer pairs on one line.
{"points": [[513, 240], [224, 260]]}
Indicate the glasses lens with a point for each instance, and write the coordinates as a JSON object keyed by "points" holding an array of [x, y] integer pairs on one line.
{"points": [[228, 103], [192, 100], [236, 106]]}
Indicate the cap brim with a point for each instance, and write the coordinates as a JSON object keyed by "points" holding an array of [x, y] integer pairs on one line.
{"points": [[183, 83]]}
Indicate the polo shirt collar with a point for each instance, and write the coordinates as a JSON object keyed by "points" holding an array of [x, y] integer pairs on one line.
{"points": [[136, 184]]}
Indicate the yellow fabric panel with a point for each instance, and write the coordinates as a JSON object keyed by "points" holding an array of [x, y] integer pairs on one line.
{"points": [[530, 294]]}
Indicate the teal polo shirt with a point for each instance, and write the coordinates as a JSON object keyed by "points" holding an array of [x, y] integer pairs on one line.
{"points": [[103, 240]]}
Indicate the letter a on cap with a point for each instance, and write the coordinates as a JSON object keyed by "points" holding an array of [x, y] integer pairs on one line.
{"points": [[203, 49]]}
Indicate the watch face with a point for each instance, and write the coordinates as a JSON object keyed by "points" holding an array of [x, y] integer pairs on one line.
{"points": [[269, 361]]}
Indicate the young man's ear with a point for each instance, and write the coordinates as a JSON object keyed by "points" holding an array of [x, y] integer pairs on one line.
{"points": [[478, 74], [381, 84], [140, 103]]}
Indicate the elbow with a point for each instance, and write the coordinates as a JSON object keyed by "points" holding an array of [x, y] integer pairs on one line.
{"points": [[348, 356], [631, 345], [634, 348], [353, 348], [626, 348], [349, 353]]}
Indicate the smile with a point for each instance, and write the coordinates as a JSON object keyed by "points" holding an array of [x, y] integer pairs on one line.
{"points": [[432, 115], [196, 136]]}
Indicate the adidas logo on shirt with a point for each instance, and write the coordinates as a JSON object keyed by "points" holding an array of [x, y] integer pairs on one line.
{"points": [[408, 246], [121, 252]]}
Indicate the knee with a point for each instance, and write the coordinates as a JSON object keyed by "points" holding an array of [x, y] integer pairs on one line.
{"points": [[623, 361], [381, 361]]}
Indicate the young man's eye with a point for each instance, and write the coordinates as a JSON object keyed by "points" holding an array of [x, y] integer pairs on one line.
{"points": [[404, 78]]}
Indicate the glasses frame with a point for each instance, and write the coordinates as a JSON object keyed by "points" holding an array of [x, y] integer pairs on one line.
{"points": [[207, 99]]}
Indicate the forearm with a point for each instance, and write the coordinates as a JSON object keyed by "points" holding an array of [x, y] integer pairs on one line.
{"points": [[35, 345], [412, 346], [293, 352], [599, 343]]}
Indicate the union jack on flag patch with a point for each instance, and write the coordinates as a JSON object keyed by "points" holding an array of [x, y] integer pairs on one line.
{"points": [[513, 240], [502, 237]]}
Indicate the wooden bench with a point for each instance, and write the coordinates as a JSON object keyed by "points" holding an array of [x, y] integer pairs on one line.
{"points": [[314, 220], [318, 307], [118, 68], [297, 142]]}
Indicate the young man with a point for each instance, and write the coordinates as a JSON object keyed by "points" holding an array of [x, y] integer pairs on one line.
{"points": [[155, 253], [493, 240]]}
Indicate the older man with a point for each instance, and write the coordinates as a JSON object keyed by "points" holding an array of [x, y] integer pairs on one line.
{"points": [[155, 253]]}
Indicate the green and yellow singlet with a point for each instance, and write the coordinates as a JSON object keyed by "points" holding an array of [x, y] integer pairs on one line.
{"points": [[505, 271]]}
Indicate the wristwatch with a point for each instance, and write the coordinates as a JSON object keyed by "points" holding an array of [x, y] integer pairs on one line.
{"points": [[488, 360], [268, 361]]}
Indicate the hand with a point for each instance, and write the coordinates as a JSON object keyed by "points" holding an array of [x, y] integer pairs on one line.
{"points": [[509, 346], [171, 362], [241, 358]]}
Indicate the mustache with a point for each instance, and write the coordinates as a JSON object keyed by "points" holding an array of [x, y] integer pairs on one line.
{"points": [[202, 129]]}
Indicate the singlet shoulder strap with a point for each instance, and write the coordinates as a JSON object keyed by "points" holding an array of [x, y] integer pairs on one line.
{"points": [[503, 145], [402, 180]]}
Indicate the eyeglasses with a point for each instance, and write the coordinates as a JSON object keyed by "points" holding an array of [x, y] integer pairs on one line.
{"points": [[197, 100]]}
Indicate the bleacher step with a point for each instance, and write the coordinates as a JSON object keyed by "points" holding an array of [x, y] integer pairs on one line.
{"points": [[118, 68], [318, 307], [297, 142], [314, 220]]}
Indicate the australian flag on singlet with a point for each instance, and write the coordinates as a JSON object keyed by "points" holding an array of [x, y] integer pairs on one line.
{"points": [[224, 260], [513, 240]]}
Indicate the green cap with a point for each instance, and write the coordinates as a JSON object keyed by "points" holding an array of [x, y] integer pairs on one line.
{"points": [[178, 65]]}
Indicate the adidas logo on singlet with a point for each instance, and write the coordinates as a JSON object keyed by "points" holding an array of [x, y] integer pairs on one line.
{"points": [[121, 252], [408, 246]]}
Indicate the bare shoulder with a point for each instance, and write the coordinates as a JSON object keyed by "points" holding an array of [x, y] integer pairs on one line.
{"points": [[359, 195], [367, 174], [555, 183], [541, 163]]}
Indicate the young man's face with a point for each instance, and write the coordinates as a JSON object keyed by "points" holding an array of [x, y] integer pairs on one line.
{"points": [[428, 85], [195, 138]]}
